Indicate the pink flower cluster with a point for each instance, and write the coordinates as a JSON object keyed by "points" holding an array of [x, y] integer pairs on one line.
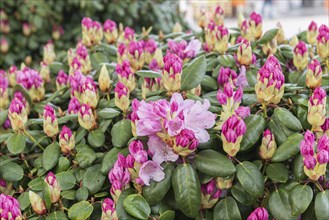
{"points": [[29, 78], [183, 49], [259, 214], [9, 208], [323, 36], [300, 48]]}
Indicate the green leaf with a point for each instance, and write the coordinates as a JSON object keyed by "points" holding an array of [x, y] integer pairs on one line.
{"points": [[300, 198], [63, 164], [209, 84], [255, 127], [68, 194], [187, 189], [85, 157], [250, 178], [96, 138], [121, 133], [251, 76], [3, 116], [214, 163], [156, 191], [55, 67], [227, 209], [227, 61], [67, 118], [93, 179], [50, 156], [241, 196], [193, 74], [298, 78], [24, 201], [268, 36], [66, 180], [58, 215], [288, 149], [11, 172], [136, 206], [277, 172], [121, 212], [111, 157], [167, 215], [288, 119], [36, 184], [82, 194], [148, 74], [298, 168], [279, 205], [322, 205], [80, 211], [108, 113], [16, 143]]}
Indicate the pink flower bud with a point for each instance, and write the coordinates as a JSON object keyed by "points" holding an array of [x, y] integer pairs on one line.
{"points": [[209, 194], [61, 79], [50, 124], [54, 187], [219, 16], [172, 72], [108, 210], [9, 208], [3, 184], [74, 106], [89, 92], [32, 81], [125, 75], [325, 127], [17, 115], [38, 205], [227, 75], [110, 31], [58, 30], [255, 25], [313, 26], [129, 33], [306, 145], [268, 147], [121, 93], [309, 162], [185, 143], [4, 46], [83, 57], [300, 57], [85, 117], [12, 75], [242, 112], [27, 29], [135, 146], [216, 37], [259, 214], [314, 74], [323, 143], [317, 107], [312, 33], [232, 131], [66, 140], [323, 41], [322, 157], [244, 53], [49, 53]]}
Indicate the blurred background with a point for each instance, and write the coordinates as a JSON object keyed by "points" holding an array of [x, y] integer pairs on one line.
{"points": [[26, 25]]}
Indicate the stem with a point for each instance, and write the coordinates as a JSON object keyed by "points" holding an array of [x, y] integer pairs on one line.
{"points": [[264, 109], [32, 139], [318, 185]]}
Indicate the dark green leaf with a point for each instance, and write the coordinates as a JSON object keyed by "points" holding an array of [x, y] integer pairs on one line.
{"points": [[167, 215], [85, 157], [136, 206], [24, 201], [241, 196], [300, 198], [279, 205], [82, 194], [93, 179], [111, 157], [121, 133], [80, 211], [227, 209], [108, 113], [288, 119], [16, 143], [298, 168], [66, 180], [268, 36], [11, 172], [288, 149], [277, 172], [148, 74], [58, 215], [96, 138], [50, 156], [227, 61], [193, 74], [255, 127], [322, 205]]}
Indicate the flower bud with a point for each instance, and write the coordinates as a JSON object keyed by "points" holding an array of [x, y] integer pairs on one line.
{"points": [[110, 31], [125, 75], [224, 182], [17, 115], [270, 47], [104, 81], [255, 25], [4, 45], [136, 55], [185, 143], [172, 72], [149, 47], [92, 32], [57, 32], [314, 75], [209, 194], [89, 92], [259, 214], [268, 147], [232, 131], [9, 208], [280, 35], [50, 124], [45, 72], [49, 53], [32, 82], [219, 16], [54, 187], [61, 80], [246, 31], [121, 93], [85, 117], [306, 145], [227, 75], [217, 37], [74, 106], [322, 157], [325, 127], [317, 107], [323, 42], [38, 205], [66, 140], [27, 29], [300, 56], [151, 85], [177, 28], [244, 53], [108, 209], [293, 41], [270, 82], [203, 19], [312, 33], [12, 75], [84, 59]]}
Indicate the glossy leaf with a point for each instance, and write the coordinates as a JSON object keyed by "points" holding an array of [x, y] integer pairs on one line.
{"points": [[227, 209], [300, 198], [121, 133], [93, 179], [16, 143], [193, 74], [322, 205], [255, 127], [288, 149], [80, 211], [136, 206], [279, 205], [277, 172], [50, 156]]}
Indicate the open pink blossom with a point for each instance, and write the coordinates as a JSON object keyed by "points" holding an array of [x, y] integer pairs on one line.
{"points": [[151, 170], [160, 151]]}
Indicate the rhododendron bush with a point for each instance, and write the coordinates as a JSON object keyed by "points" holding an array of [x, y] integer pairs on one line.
{"points": [[219, 124]]}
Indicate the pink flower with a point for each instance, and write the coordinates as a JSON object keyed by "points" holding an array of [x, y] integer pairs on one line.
{"points": [[309, 162], [149, 46], [322, 157], [62, 78], [300, 48], [65, 134], [233, 128], [323, 143], [29, 78], [124, 69], [87, 22], [306, 145], [121, 90], [257, 18], [259, 214], [219, 10], [129, 33], [227, 75], [172, 64], [49, 112], [323, 36], [318, 97], [160, 151], [120, 172], [9, 207], [211, 189], [108, 209], [74, 106], [16, 106], [313, 26], [135, 47], [242, 112], [325, 126], [109, 25], [154, 65], [151, 170]]}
